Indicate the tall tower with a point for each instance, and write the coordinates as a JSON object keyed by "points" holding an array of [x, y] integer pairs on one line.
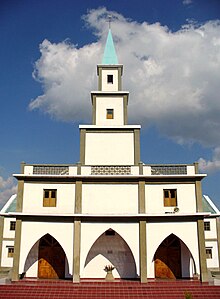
{"points": [[109, 140]]}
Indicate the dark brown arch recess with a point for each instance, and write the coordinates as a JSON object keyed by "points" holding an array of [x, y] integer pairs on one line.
{"points": [[51, 258], [114, 248], [167, 258]]}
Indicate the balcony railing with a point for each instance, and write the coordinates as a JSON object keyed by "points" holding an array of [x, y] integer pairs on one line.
{"points": [[168, 169], [110, 170], [147, 170]]}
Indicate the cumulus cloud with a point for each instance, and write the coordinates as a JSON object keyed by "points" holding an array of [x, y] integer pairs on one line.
{"points": [[7, 189], [213, 165], [173, 77]]}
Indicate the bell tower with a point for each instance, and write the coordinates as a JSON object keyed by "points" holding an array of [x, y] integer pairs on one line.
{"points": [[109, 102], [109, 140]]}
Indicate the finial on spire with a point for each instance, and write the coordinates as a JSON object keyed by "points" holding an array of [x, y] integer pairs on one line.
{"points": [[109, 20]]}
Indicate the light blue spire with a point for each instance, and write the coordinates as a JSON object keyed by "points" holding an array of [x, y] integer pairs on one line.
{"points": [[109, 56]]}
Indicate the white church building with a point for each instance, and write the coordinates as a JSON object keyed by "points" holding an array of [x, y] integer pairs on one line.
{"points": [[148, 221]]}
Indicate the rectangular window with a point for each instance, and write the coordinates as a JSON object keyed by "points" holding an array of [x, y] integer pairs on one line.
{"points": [[170, 197], [110, 79], [207, 226], [110, 113], [208, 252], [12, 225], [10, 251], [50, 198]]}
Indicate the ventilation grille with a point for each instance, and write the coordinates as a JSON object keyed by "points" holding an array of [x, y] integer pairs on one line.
{"points": [[111, 170], [51, 170]]}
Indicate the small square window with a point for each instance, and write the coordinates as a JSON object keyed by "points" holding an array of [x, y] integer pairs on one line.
{"points": [[110, 113], [50, 198], [208, 252], [12, 225], [10, 251], [207, 226], [170, 197], [110, 79]]}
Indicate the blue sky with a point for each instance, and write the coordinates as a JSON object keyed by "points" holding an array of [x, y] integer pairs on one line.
{"points": [[48, 56]]}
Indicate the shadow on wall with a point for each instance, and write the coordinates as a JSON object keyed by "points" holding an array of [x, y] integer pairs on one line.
{"points": [[113, 248]]}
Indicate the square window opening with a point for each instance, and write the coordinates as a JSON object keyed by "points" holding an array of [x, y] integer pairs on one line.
{"points": [[12, 225], [208, 252], [10, 251], [170, 197], [110, 113], [207, 226], [110, 79], [50, 198]]}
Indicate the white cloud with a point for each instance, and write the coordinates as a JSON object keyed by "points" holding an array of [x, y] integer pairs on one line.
{"points": [[173, 77], [213, 165], [7, 188]]}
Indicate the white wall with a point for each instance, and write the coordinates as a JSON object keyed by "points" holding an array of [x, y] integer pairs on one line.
{"points": [[7, 233], [213, 232], [33, 198], [157, 232], [213, 262], [104, 103], [186, 200], [109, 149], [33, 231], [90, 232], [6, 261], [109, 199]]}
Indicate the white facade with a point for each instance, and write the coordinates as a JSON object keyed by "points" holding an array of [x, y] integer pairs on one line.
{"points": [[110, 208]]}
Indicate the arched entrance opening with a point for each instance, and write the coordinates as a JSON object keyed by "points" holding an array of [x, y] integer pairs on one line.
{"points": [[110, 248], [51, 258], [167, 259]]}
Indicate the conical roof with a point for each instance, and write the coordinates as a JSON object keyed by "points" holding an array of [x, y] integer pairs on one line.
{"points": [[109, 56]]}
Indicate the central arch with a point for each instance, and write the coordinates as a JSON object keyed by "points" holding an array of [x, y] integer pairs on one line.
{"points": [[110, 248]]}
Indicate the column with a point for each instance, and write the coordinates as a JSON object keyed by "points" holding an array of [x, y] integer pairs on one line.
{"points": [[202, 252], [77, 233], [17, 247], [143, 251]]}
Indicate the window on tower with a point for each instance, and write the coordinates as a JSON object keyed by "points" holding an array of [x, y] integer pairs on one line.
{"points": [[109, 113], [170, 197], [110, 79], [50, 198]]}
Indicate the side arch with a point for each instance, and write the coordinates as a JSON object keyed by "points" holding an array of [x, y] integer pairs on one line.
{"points": [[46, 259], [173, 259], [110, 248]]}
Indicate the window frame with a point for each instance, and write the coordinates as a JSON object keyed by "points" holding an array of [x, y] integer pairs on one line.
{"points": [[50, 199], [12, 225], [207, 226], [109, 113], [208, 252], [10, 251], [110, 79], [170, 201]]}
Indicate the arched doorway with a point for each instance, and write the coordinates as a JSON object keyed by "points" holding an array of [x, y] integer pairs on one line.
{"points": [[51, 258], [167, 259], [110, 248]]}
